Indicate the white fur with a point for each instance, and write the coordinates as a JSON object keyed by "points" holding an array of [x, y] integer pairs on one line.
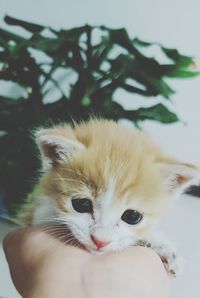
{"points": [[173, 262], [106, 224], [45, 210]]}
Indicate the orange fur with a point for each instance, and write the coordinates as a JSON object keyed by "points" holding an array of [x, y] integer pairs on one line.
{"points": [[124, 154]]}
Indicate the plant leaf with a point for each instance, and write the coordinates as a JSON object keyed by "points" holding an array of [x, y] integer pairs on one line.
{"points": [[157, 112], [181, 60], [26, 25]]}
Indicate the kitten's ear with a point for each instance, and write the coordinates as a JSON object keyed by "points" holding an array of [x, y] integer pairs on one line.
{"points": [[179, 176], [56, 149]]}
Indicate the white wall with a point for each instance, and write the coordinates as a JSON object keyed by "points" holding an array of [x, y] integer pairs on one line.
{"points": [[175, 23]]}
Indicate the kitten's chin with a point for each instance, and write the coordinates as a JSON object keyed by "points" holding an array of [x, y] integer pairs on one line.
{"points": [[109, 249], [96, 251], [103, 250]]}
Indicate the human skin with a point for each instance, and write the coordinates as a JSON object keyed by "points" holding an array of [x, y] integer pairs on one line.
{"points": [[42, 266]]}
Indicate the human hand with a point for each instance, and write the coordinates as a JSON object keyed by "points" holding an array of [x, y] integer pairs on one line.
{"points": [[41, 266]]}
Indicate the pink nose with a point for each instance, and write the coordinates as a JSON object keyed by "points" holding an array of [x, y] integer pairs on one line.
{"points": [[99, 243]]}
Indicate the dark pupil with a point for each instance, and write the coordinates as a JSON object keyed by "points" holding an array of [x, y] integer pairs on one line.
{"points": [[132, 217], [82, 205]]}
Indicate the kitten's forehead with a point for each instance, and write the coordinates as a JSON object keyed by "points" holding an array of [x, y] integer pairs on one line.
{"points": [[118, 180], [117, 161], [106, 206], [106, 198], [112, 182]]}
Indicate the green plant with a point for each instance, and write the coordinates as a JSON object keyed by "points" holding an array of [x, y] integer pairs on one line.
{"points": [[100, 67]]}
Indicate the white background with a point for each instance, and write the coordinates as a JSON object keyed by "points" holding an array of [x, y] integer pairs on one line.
{"points": [[176, 24]]}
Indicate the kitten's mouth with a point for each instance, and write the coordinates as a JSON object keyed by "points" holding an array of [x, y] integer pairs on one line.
{"points": [[96, 251]]}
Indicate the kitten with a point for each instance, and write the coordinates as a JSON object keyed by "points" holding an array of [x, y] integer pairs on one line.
{"points": [[109, 184]]}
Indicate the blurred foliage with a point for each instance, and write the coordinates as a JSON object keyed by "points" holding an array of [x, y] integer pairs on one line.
{"points": [[102, 60]]}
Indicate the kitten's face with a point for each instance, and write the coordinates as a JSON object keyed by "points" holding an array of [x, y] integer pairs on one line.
{"points": [[108, 183], [101, 225], [98, 217], [104, 223]]}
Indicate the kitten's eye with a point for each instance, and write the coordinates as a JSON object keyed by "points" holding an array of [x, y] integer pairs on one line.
{"points": [[82, 205], [132, 217]]}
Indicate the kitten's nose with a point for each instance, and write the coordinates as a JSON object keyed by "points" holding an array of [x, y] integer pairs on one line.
{"points": [[99, 243]]}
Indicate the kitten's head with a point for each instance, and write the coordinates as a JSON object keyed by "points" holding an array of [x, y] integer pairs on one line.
{"points": [[108, 182]]}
